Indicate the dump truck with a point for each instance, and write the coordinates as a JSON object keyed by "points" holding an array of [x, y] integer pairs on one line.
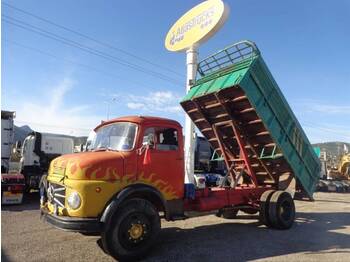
{"points": [[133, 174], [344, 166]]}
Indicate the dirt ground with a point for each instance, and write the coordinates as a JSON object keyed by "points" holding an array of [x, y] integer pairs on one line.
{"points": [[321, 233]]}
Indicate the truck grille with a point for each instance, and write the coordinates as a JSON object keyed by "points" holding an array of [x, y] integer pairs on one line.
{"points": [[56, 194]]}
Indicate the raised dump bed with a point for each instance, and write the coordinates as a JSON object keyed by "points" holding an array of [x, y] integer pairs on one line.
{"points": [[239, 108]]}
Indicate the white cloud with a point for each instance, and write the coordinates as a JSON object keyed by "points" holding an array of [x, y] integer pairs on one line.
{"points": [[322, 107], [326, 133], [153, 102], [58, 93], [132, 105], [322, 120], [50, 113], [330, 109]]}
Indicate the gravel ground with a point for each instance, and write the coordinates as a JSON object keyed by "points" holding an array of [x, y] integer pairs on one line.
{"points": [[321, 233]]}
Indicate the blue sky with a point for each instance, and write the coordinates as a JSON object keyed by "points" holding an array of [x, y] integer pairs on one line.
{"points": [[55, 87]]}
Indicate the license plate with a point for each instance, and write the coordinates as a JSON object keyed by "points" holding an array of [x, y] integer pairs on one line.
{"points": [[12, 198]]}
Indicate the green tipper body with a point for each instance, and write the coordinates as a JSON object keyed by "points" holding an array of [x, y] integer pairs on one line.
{"points": [[251, 76]]}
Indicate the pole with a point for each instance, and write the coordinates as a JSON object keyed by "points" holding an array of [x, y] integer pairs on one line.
{"points": [[191, 61], [109, 105]]}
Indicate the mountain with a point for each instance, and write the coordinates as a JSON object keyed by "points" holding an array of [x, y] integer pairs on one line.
{"points": [[333, 148], [20, 133]]}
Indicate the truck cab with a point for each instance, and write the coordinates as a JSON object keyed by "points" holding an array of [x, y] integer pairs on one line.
{"points": [[135, 161], [37, 151]]}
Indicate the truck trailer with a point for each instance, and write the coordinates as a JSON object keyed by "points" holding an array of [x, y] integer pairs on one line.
{"points": [[134, 173], [7, 138]]}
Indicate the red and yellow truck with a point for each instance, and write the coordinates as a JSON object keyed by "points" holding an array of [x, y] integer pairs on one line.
{"points": [[133, 174]]}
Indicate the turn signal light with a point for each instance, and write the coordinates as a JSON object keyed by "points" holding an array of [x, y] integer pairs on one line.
{"points": [[98, 189]]}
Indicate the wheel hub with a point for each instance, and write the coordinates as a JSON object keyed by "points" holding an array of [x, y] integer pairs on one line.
{"points": [[136, 231]]}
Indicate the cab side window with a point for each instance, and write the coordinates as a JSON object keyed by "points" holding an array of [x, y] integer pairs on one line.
{"points": [[167, 139]]}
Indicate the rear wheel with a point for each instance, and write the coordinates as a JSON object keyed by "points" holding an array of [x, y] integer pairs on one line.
{"points": [[249, 211], [264, 207], [281, 210], [228, 213], [133, 230]]}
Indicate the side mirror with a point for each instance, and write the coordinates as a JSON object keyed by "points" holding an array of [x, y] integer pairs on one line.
{"points": [[149, 141], [87, 146], [18, 144]]}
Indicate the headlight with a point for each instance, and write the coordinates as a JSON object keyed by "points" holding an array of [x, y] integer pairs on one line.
{"points": [[74, 200]]}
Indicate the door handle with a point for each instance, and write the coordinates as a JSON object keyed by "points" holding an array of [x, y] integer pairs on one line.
{"points": [[180, 158]]}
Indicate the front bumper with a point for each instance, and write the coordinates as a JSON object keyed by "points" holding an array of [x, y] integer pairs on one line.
{"points": [[83, 225]]}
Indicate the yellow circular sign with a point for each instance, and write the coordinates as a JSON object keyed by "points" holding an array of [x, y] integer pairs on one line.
{"points": [[197, 25]]}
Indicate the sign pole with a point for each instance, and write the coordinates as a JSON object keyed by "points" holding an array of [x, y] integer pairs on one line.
{"points": [[192, 29], [191, 61]]}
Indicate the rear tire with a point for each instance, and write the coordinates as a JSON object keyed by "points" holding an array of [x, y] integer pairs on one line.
{"points": [[132, 231], [264, 207], [249, 211], [281, 210], [229, 213]]}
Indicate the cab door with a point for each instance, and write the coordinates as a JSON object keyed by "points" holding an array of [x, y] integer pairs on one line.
{"points": [[161, 164]]}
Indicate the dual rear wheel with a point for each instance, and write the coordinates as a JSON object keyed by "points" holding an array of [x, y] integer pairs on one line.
{"points": [[277, 209]]}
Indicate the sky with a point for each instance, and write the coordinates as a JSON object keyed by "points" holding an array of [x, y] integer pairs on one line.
{"points": [[67, 65]]}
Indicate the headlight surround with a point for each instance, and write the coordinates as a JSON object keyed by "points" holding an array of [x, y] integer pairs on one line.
{"points": [[74, 200]]}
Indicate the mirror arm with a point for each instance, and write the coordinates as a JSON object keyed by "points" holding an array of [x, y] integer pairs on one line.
{"points": [[142, 149]]}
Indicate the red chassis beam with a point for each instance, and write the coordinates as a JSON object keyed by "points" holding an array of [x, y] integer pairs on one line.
{"points": [[210, 199]]}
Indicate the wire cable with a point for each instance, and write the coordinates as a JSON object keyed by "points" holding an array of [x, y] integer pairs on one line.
{"points": [[92, 39], [48, 34], [73, 62]]}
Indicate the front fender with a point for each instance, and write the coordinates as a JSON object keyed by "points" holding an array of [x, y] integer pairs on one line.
{"points": [[134, 190]]}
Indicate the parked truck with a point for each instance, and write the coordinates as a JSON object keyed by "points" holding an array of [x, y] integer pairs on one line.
{"points": [[12, 182], [37, 151], [7, 138], [134, 173]]}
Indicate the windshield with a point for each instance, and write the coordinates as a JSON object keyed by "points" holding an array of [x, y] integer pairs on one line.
{"points": [[119, 136]]}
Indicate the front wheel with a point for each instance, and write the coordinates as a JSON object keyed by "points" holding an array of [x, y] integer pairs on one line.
{"points": [[133, 230]]}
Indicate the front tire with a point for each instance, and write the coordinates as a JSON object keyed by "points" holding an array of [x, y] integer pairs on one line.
{"points": [[132, 231]]}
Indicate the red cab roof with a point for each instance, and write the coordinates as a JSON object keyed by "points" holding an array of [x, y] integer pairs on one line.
{"points": [[140, 120]]}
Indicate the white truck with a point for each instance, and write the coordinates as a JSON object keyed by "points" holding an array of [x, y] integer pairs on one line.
{"points": [[37, 152], [7, 137]]}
